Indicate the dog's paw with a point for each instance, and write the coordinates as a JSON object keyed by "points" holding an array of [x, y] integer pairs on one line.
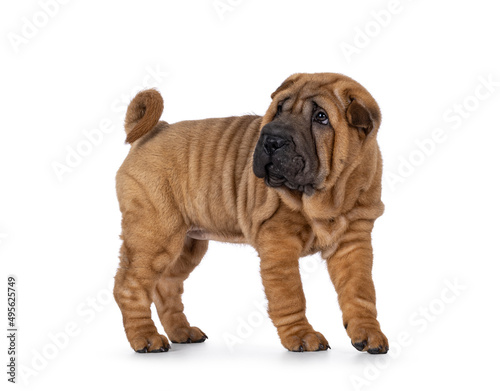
{"points": [[369, 339], [187, 335], [150, 343], [305, 341]]}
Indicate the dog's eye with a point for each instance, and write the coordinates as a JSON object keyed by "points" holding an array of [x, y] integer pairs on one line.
{"points": [[279, 109], [321, 117]]}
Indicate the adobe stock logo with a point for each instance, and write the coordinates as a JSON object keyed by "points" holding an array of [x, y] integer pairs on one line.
{"points": [[364, 36], [222, 7], [30, 27], [454, 118], [419, 322], [59, 340], [91, 140]]}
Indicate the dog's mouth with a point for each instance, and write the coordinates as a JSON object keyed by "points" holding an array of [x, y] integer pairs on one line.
{"points": [[282, 163], [274, 178]]}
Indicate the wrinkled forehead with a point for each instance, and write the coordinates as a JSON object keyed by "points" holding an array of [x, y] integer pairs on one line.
{"points": [[328, 91]]}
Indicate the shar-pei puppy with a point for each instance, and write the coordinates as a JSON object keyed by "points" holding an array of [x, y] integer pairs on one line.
{"points": [[304, 178]]}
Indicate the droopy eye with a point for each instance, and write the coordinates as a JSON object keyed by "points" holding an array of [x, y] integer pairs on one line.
{"points": [[321, 117], [279, 109]]}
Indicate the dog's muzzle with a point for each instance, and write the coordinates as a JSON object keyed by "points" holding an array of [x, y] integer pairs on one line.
{"points": [[277, 160]]}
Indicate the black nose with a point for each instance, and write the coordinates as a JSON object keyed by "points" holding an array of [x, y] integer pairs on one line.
{"points": [[273, 143]]}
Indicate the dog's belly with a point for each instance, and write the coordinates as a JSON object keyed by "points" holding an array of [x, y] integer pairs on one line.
{"points": [[202, 234]]}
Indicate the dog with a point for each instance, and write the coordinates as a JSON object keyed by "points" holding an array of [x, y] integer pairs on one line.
{"points": [[304, 178]]}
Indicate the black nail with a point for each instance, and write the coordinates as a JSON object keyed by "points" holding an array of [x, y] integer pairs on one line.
{"points": [[379, 350], [202, 339], [359, 345]]}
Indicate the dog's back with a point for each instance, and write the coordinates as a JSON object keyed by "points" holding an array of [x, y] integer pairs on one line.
{"points": [[200, 164]]}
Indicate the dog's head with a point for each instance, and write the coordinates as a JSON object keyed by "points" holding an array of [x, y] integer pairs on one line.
{"points": [[315, 126]]}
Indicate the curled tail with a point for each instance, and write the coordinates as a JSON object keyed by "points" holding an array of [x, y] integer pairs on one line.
{"points": [[143, 114]]}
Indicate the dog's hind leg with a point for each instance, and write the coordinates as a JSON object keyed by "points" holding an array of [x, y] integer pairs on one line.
{"points": [[152, 241], [169, 289]]}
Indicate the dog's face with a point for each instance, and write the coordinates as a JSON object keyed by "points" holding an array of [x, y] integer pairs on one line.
{"points": [[315, 126]]}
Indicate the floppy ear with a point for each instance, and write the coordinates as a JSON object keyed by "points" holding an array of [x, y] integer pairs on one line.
{"points": [[360, 117], [287, 83]]}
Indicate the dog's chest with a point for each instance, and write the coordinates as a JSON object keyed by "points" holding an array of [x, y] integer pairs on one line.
{"points": [[326, 234]]}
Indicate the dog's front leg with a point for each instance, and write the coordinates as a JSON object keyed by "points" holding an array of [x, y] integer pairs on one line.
{"points": [[350, 269], [283, 288]]}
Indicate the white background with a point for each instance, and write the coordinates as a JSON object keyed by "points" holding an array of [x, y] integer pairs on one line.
{"points": [[59, 235]]}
